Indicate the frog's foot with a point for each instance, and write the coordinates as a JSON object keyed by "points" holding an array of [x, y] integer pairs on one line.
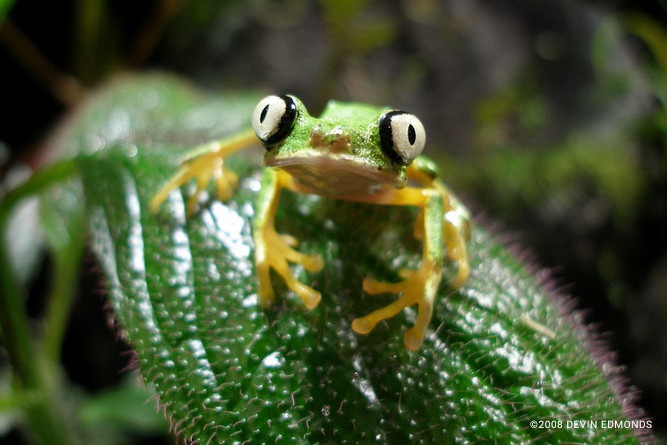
{"points": [[274, 250], [418, 287], [204, 163], [202, 169]]}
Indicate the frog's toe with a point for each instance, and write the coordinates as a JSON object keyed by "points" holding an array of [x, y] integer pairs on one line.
{"points": [[456, 251], [312, 263], [289, 240], [365, 324], [462, 274], [225, 183], [414, 337], [180, 178], [310, 297], [374, 287], [207, 167], [193, 202], [265, 289]]}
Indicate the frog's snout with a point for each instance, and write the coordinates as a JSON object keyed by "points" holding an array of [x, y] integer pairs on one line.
{"points": [[335, 139]]}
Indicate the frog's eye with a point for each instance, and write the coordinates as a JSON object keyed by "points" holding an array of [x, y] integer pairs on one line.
{"points": [[402, 136], [273, 119]]}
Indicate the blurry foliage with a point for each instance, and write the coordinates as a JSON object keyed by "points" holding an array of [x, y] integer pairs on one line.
{"points": [[511, 117], [514, 171], [518, 181], [108, 417], [5, 5], [654, 35], [354, 32]]}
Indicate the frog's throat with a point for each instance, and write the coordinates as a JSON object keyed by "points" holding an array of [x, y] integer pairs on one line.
{"points": [[337, 174]]}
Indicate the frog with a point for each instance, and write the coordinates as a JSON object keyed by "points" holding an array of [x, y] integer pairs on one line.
{"points": [[355, 152]]}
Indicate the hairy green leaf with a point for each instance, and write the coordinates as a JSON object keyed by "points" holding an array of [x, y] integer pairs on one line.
{"points": [[498, 356]]}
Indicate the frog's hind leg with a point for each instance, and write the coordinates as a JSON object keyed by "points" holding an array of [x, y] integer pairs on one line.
{"points": [[274, 250], [457, 234], [203, 164], [443, 226], [419, 286]]}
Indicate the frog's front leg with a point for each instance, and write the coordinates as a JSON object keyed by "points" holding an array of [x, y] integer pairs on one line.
{"points": [[204, 163], [274, 250]]}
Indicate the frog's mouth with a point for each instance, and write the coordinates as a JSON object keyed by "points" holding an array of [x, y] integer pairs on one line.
{"points": [[336, 174]]}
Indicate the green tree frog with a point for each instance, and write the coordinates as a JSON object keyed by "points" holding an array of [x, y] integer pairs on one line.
{"points": [[354, 152]]}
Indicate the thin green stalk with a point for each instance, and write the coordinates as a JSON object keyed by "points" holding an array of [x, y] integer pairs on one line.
{"points": [[45, 417], [13, 318], [95, 41], [66, 272]]}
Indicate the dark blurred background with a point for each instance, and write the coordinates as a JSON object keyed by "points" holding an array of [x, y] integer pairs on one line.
{"points": [[549, 117]]}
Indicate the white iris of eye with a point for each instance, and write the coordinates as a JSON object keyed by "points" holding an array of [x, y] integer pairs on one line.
{"points": [[267, 116], [408, 136]]}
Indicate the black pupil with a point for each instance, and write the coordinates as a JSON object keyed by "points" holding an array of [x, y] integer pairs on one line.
{"points": [[411, 134], [265, 111]]}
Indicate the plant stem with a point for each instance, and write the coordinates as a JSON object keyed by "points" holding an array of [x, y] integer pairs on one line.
{"points": [[66, 271], [45, 416], [63, 87]]}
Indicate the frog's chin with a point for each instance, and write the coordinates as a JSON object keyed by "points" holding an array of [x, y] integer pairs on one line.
{"points": [[337, 175]]}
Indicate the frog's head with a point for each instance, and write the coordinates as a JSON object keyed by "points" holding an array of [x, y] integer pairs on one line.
{"points": [[350, 149]]}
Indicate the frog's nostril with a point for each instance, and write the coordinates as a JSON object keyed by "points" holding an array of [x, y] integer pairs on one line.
{"points": [[341, 142], [335, 139], [317, 138]]}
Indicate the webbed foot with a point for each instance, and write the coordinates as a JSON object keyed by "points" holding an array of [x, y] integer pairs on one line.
{"points": [[202, 169], [275, 250], [418, 287], [204, 164]]}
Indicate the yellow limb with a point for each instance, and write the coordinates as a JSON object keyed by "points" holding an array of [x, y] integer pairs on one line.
{"points": [[274, 250], [456, 225], [418, 286], [442, 223], [203, 164], [455, 241]]}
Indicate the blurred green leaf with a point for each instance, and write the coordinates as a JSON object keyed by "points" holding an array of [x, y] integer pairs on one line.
{"points": [[498, 356], [27, 241], [8, 403], [5, 6], [653, 33]]}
